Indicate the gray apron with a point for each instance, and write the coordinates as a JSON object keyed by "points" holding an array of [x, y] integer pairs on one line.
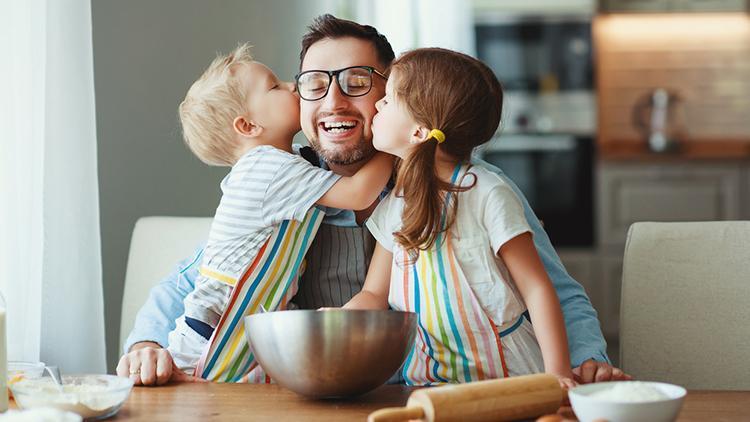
{"points": [[337, 263]]}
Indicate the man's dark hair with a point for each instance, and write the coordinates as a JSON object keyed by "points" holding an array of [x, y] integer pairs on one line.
{"points": [[329, 26]]}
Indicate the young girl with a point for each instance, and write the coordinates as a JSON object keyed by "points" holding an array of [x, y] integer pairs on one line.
{"points": [[453, 243]]}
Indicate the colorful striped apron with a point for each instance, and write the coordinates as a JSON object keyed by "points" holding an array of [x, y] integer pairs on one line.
{"points": [[271, 281], [456, 340]]}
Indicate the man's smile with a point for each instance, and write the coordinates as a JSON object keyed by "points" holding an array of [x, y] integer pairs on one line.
{"points": [[339, 127]]}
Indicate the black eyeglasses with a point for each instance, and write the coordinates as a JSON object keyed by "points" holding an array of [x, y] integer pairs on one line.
{"points": [[354, 81]]}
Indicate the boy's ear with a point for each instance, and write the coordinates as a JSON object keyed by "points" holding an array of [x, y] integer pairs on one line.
{"points": [[419, 134], [245, 127]]}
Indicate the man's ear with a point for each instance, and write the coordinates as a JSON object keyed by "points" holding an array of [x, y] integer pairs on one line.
{"points": [[419, 134], [245, 127]]}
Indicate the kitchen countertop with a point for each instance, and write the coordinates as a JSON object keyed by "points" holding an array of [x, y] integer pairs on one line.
{"points": [[232, 402], [686, 151]]}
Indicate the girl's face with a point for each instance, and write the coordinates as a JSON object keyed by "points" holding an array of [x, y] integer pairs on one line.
{"points": [[393, 126]]}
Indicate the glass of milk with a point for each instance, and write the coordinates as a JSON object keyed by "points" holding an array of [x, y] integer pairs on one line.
{"points": [[3, 359]]}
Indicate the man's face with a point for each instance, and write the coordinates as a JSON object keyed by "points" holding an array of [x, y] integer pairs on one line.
{"points": [[351, 139]]}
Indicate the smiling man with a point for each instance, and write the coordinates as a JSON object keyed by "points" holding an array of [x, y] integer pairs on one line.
{"points": [[341, 78]]}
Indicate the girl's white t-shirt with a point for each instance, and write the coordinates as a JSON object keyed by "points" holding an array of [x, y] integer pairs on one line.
{"points": [[488, 215]]}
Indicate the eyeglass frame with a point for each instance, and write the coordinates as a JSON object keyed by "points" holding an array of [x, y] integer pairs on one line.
{"points": [[336, 73]]}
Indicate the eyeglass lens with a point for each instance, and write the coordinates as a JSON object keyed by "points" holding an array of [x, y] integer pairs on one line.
{"points": [[353, 82]]}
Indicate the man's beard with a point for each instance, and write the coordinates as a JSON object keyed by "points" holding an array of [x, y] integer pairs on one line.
{"points": [[362, 150]]}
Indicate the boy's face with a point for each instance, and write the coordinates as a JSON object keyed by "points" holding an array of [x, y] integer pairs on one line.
{"points": [[353, 144], [272, 104]]}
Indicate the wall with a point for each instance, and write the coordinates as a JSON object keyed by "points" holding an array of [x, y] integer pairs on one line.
{"points": [[146, 54], [702, 60]]}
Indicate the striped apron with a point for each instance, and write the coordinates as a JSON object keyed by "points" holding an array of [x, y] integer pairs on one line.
{"points": [[270, 280], [456, 340]]}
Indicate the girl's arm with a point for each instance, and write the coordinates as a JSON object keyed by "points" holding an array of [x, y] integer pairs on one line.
{"points": [[524, 265], [359, 191], [374, 294]]}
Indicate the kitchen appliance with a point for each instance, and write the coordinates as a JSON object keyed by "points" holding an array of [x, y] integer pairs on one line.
{"points": [[542, 55], [655, 115], [333, 352], [555, 173], [505, 399]]}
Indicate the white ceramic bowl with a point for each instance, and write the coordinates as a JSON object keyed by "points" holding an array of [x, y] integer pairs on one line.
{"points": [[91, 396], [589, 408]]}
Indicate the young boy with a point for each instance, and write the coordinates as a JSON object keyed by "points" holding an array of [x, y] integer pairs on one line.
{"points": [[239, 114]]}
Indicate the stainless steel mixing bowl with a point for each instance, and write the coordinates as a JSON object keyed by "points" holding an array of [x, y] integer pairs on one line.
{"points": [[331, 353]]}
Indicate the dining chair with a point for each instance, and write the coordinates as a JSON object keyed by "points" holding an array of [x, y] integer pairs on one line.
{"points": [[158, 243], [685, 310]]}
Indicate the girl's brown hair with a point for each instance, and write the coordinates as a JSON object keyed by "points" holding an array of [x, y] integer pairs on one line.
{"points": [[458, 94]]}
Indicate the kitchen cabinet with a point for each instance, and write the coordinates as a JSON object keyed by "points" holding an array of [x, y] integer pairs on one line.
{"points": [[652, 188], [627, 192], [657, 188], [672, 6]]}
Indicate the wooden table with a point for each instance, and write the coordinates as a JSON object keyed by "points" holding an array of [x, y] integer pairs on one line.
{"points": [[234, 402]]}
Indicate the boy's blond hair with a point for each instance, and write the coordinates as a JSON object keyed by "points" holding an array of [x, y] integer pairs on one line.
{"points": [[210, 107]]}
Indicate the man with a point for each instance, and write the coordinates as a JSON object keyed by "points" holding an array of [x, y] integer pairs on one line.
{"points": [[338, 127]]}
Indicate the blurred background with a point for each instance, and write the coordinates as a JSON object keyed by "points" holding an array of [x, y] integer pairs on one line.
{"points": [[616, 111]]}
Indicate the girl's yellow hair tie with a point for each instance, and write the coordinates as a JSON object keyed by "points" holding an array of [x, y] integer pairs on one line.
{"points": [[438, 135]]}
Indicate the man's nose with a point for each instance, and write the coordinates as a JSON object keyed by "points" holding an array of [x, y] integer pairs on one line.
{"points": [[334, 99]]}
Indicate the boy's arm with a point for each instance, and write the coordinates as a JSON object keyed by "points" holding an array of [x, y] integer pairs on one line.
{"points": [[528, 273], [363, 188], [374, 294]]}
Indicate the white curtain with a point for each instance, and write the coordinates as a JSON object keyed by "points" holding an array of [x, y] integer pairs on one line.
{"points": [[412, 24], [50, 259]]}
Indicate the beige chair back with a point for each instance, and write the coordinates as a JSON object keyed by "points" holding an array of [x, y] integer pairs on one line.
{"points": [[158, 243], [685, 311]]}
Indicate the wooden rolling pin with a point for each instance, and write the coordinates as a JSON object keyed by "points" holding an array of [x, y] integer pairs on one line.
{"points": [[505, 399]]}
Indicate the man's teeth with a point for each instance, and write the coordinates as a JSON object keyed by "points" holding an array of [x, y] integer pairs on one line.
{"points": [[338, 127]]}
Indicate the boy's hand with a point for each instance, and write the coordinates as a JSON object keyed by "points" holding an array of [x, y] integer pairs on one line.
{"points": [[148, 363]]}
